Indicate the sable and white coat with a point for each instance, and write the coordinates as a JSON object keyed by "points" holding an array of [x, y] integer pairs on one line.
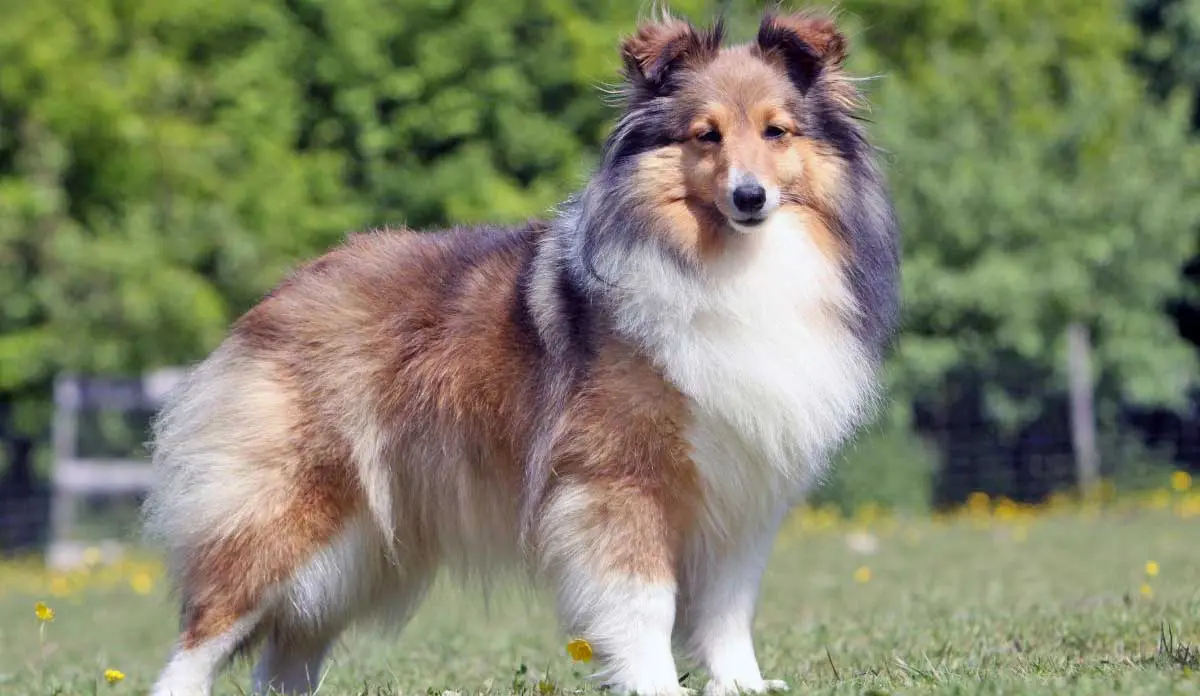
{"points": [[625, 399]]}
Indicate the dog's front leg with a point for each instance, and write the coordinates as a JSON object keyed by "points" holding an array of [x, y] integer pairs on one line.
{"points": [[721, 583], [611, 550]]}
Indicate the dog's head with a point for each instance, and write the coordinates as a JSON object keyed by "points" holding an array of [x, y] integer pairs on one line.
{"points": [[715, 140]]}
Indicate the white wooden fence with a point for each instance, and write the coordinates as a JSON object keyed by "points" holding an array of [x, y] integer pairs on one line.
{"points": [[75, 475]]}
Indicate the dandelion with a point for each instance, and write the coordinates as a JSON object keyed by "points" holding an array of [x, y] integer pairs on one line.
{"points": [[44, 613], [113, 676], [1006, 510], [1181, 481], [1151, 568], [44, 616], [862, 575], [978, 502], [1146, 590], [580, 650], [141, 583]]}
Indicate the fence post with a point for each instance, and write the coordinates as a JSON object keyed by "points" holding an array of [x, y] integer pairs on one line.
{"points": [[64, 437], [75, 475], [1083, 411]]}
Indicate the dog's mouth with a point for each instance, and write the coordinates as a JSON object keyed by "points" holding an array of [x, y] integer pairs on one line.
{"points": [[745, 224]]}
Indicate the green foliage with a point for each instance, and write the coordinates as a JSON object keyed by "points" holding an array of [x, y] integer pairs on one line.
{"points": [[150, 186], [1170, 50], [460, 112], [1028, 168], [162, 163], [1169, 55], [888, 466]]}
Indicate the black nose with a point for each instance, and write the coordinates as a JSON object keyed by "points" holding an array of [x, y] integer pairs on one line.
{"points": [[749, 198]]}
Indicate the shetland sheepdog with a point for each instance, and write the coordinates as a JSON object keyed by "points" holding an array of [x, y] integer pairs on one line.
{"points": [[623, 400]]}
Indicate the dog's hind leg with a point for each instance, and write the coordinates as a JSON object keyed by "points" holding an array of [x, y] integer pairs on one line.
{"points": [[314, 607], [196, 660], [292, 659], [291, 663], [345, 580], [257, 499], [237, 588]]}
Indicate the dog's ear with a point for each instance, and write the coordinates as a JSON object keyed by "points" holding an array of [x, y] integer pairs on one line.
{"points": [[659, 50], [807, 45]]}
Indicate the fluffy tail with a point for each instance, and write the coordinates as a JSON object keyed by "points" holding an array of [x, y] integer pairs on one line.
{"points": [[217, 449]]}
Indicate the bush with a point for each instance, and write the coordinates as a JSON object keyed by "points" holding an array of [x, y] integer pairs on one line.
{"points": [[888, 465]]}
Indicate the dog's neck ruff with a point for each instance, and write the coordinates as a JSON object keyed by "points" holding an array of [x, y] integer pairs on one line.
{"points": [[759, 341]]}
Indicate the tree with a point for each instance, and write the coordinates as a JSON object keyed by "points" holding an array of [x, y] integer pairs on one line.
{"points": [[164, 162], [1037, 187], [1027, 168], [149, 184], [1169, 56], [1169, 52]]}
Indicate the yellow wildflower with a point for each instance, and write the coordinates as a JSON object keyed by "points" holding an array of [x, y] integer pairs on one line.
{"points": [[1151, 568], [1146, 590], [1006, 510], [141, 583], [862, 575], [44, 613], [1181, 481], [978, 502], [112, 676], [580, 650]]}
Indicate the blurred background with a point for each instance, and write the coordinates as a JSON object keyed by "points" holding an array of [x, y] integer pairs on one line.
{"points": [[164, 162]]}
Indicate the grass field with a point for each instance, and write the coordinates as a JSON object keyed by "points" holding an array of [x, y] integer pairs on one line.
{"points": [[996, 600]]}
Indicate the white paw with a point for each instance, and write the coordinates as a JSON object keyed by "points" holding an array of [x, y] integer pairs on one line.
{"points": [[736, 688]]}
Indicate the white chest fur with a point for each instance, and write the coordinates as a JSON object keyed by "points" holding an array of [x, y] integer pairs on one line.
{"points": [[775, 377]]}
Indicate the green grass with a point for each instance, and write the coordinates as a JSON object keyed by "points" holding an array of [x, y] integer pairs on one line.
{"points": [[1049, 606]]}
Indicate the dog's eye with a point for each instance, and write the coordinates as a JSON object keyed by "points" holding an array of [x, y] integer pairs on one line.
{"points": [[709, 136], [774, 133]]}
